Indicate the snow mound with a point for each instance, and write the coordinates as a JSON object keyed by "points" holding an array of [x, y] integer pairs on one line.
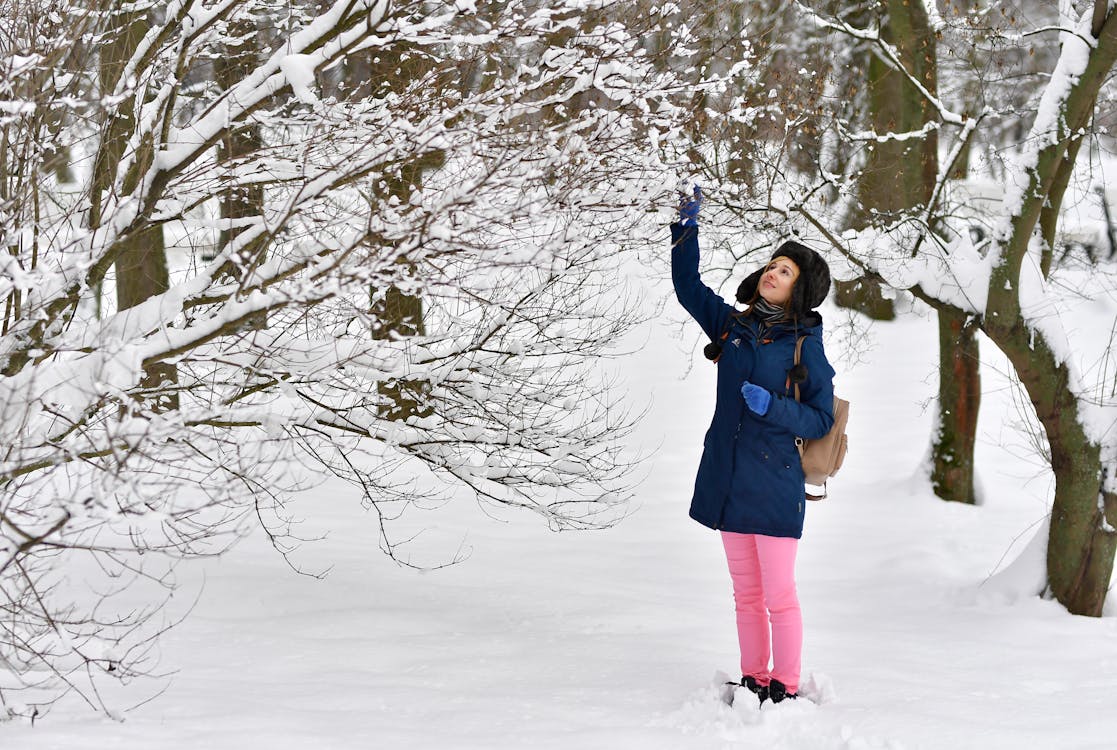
{"points": [[790, 724], [818, 688]]}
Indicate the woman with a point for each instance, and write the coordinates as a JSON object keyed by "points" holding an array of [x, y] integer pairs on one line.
{"points": [[750, 480]]}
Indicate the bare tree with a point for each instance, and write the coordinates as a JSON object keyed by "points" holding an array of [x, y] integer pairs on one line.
{"points": [[536, 172]]}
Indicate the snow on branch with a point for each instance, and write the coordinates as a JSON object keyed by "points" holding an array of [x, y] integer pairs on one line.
{"points": [[398, 269], [869, 135]]}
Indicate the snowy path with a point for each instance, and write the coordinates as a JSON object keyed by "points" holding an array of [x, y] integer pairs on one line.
{"points": [[611, 639]]}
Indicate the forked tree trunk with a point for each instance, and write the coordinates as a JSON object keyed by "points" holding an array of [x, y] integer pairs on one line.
{"points": [[1082, 540]]}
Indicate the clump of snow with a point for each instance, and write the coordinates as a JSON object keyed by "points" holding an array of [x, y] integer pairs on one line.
{"points": [[1024, 577], [299, 71]]}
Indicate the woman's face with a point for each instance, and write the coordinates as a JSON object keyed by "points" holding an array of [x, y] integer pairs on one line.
{"points": [[778, 280]]}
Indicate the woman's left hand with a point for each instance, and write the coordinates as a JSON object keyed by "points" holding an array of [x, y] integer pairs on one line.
{"points": [[758, 399]]}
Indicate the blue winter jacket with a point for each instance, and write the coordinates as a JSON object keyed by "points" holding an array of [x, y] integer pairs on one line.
{"points": [[750, 479]]}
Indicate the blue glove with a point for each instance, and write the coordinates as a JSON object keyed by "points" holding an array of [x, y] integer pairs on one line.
{"points": [[758, 399], [689, 207]]}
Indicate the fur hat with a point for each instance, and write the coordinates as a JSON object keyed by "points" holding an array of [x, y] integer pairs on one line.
{"points": [[811, 287]]}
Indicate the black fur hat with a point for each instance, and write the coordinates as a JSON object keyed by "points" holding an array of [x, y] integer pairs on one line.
{"points": [[810, 288]]}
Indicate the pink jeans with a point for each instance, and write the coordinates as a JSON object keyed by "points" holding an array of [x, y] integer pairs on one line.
{"points": [[769, 621]]}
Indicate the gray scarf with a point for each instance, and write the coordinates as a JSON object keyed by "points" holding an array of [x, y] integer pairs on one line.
{"points": [[768, 313]]}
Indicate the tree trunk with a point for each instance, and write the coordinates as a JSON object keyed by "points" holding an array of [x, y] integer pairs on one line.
{"points": [[952, 447], [398, 313], [898, 174], [866, 296], [401, 314], [240, 202], [1082, 540], [1049, 215], [141, 267]]}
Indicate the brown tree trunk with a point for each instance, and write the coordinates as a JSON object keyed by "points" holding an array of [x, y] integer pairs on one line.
{"points": [[1049, 215], [898, 174], [401, 314], [1082, 540], [952, 448], [240, 201], [398, 313], [141, 267], [866, 296]]}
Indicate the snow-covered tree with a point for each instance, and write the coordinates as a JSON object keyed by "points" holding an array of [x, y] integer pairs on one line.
{"points": [[227, 140], [1051, 320]]}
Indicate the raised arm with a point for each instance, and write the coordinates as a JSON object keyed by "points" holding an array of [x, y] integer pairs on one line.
{"points": [[704, 305]]}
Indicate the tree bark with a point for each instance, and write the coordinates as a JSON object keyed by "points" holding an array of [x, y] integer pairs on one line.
{"points": [[399, 313], [1049, 215], [142, 268], [1081, 542], [899, 176], [952, 448], [900, 173], [240, 202], [141, 265]]}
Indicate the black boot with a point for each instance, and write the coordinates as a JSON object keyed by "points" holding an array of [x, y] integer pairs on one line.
{"points": [[777, 691], [761, 691]]}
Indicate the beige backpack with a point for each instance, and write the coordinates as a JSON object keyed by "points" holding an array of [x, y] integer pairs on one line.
{"points": [[823, 457]]}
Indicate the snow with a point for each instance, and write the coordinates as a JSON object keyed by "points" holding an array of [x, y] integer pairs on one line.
{"points": [[299, 70], [1049, 126], [921, 627]]}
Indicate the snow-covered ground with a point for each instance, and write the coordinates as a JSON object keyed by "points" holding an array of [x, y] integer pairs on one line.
{"points": [[612, 639]]}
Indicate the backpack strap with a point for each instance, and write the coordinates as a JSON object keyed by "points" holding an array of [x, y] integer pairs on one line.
{"points": [[798, 441], [798, 356]]}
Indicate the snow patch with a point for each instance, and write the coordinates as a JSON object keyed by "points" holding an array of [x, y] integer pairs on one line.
{"points": [[299, 71], [1024, 578]]}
